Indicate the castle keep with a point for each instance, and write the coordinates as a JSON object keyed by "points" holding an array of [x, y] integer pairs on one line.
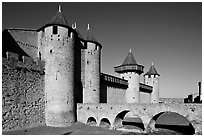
{"points": [[47, 71]]}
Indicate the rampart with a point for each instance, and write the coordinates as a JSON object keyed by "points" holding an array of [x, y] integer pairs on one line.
{"points": [[23, 102], [113, 89]]}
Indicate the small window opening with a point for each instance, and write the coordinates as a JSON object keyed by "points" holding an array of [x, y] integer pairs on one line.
{"points": [[50, 51], [54, 30], [40, 55]]}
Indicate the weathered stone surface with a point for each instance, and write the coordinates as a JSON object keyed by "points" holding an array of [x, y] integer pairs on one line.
{"points": [[22, 98]]}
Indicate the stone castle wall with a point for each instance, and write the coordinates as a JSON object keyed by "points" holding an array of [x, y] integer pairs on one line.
{"points": [[112, 89], [23, 102], [145, 97], [116, 95]]}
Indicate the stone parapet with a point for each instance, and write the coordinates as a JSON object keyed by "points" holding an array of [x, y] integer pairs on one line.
{"points": [[12, 60]]}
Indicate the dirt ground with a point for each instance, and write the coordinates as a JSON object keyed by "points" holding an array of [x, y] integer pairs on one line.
{"points": [[77, 129]]}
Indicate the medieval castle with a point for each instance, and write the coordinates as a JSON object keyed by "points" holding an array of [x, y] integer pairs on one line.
{"points": [[47, 71]]}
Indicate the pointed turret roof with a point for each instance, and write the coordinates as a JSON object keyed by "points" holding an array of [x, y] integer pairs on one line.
{"points": [[130, 59], [152, 71], [89, 35], [129, 65], [74, 26], [58, 18]]}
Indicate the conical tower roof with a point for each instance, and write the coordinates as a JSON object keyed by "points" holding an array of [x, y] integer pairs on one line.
{"points": [[89, 35], [129, 65], [130, 59], [152, 71], [58, 18]]}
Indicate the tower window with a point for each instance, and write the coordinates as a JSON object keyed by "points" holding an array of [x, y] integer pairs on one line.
{"points": [[39, 55], [54, 30]]}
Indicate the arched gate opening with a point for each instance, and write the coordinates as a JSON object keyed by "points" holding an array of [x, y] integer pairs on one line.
{"points": [[172, 122], [91, 121], [105, 123]]}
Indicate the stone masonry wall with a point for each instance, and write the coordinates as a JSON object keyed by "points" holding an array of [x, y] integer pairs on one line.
{"points": [[22, 94]]}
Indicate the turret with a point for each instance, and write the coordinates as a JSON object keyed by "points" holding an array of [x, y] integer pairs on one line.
{"points": [[152, 78], [91, 93], [56, 46], [131, 71]]}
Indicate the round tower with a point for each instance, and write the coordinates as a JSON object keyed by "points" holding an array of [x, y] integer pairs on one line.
{"points": [[152, 78], [131, 71], [57, 42], [92, 68]]}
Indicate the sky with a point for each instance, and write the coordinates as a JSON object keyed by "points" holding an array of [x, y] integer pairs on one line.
{"points": [[167, 34]]}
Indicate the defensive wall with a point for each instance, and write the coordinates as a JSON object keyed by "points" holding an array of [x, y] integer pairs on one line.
{"points": [[114, 113], [113, 89], [23, 102]]}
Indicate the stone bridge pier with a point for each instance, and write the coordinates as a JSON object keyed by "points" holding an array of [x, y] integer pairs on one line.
{"points": [[112, 115]]}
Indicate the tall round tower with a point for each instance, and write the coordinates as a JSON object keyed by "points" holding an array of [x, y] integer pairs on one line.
{"points": [[57, 42], [131, 71], [91, 93], [152, 78]]}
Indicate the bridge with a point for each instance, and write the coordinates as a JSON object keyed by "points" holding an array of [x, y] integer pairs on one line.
{"points": [[113, 114]]}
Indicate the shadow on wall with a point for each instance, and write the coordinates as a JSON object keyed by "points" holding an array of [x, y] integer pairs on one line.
{"points": [[103, 91], [9, 44], [172, 121]]}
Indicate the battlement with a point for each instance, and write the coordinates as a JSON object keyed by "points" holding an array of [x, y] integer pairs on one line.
{"points": [[12, 60], [129, 68], [145, 88], [111, 80], [93, 46]]}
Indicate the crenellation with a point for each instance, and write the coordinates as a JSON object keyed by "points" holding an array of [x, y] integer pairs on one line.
{"points": [[12, 56], [13, 61]]}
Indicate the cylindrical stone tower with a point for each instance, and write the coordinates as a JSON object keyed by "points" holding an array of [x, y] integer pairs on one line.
{"points": [[58, 41], [91, 93], [131, 71], [152, 78]]}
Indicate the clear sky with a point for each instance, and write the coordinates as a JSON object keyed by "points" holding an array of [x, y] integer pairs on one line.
{"points": [[169, 34]]}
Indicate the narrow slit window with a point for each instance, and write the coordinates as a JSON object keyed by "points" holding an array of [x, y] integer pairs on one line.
{"points": [[39, 55], [54, 30]]}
